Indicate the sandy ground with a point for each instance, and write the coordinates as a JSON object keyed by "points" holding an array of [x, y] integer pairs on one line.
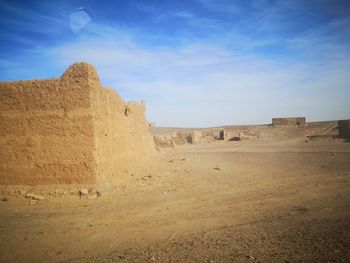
{"points": [[223, 202]]}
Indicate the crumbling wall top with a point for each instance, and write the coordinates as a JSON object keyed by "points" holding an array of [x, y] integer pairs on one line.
{"points": [[81, 70]]}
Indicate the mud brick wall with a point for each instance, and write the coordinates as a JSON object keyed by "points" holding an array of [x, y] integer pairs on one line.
{"points": [[344, 128], [68, 130], [295, 121], [122, 138]]}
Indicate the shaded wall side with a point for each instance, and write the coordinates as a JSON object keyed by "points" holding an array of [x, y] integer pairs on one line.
{"points": [[46, 132], [344, 128], [122, 139]]}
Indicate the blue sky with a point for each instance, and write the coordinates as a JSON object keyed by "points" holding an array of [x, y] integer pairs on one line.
{"points": [[197, 63]]}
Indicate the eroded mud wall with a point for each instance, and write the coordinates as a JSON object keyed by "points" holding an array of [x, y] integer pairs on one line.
{"points": [[45, 132], [122, 139], [69, 130]]}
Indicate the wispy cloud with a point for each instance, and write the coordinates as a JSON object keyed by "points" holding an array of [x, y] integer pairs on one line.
{"points": [[233, 73], [184, 84], [226, 6]]}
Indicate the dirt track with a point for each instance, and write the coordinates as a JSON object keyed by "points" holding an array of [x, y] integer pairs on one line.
{"points": [[230, 202]]}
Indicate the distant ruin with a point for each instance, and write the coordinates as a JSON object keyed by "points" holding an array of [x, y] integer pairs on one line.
{"points": [[205, 135], [191, 137], [237, 135], [178, 138], [344, 129], [223, 135], [294, 121], [69, 130]]}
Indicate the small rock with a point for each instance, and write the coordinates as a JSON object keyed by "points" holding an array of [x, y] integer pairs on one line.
{"points": [[33, 202], [153, 258], [92, 196], [217, 168], [250, 257], [29, 195], [92, 191], [38, 197], [34, 196], [83, 192], [4, 198]]}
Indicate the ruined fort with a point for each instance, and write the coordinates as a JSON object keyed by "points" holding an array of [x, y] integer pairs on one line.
{"points": [[69, 130]]}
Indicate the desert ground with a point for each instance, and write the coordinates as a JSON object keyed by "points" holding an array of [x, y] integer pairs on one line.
{"points": [[267, 200]]}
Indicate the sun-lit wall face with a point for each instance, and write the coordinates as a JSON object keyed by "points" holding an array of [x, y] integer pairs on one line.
{"points": [[203, 62], [46, 132], [69, 130]]}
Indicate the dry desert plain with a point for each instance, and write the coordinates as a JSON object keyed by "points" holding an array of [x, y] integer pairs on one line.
{"points": [[280, 198]]}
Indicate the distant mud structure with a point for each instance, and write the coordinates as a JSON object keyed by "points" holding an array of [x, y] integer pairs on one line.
{"points": [[178, 138], [344, 129], [69, 130], [295, 121]]}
